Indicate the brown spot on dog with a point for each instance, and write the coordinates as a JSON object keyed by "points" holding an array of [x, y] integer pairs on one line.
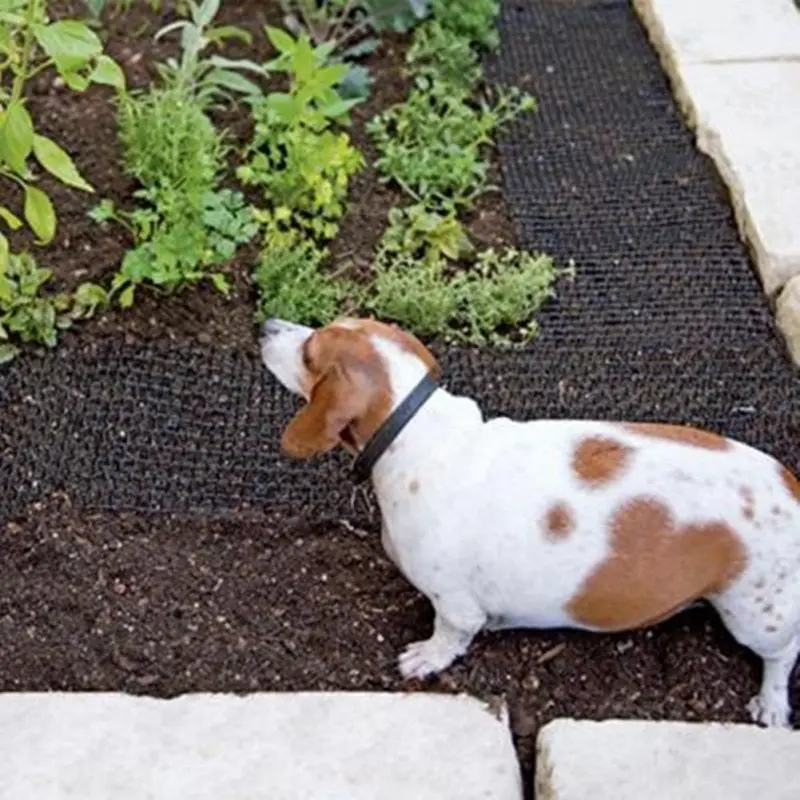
{"points": [[683, 434], [655, 568], [771, 629], [559, 522], [791, 483], [401, 338], [599, 460], [349, 394], [768, 608], [776, 511], [748, 509], [413, 486]]}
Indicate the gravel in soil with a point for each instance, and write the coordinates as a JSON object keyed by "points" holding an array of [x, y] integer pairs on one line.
{"points": [[162, 605]]}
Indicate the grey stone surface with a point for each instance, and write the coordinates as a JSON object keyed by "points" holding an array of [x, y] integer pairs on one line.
{"points": [[641, 760], [304, 746]]}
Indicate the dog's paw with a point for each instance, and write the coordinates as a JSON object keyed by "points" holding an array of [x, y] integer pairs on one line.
{"points": [[421, 659], [773, 712]]}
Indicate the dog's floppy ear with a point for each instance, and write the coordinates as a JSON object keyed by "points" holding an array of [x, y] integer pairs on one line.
{"points": [[336, 401]]}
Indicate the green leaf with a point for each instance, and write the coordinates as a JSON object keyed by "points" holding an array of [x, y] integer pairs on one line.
{"points": [[3, 255], [108, 72], [8, 353], [221, 283], [283, 105], [303, 61], [58, 163], [206, 13], [40, 214], [16, 137], [225, 32], [69, 43], [76, 81], [12, 220], [281, 40], [126, 298], [233, 80]]}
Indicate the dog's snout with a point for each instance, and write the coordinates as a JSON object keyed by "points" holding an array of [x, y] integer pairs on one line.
{"points": [[271, 327]]}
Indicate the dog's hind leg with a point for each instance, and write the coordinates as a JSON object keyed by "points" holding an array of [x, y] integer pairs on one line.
{"points": [[774, 635]]}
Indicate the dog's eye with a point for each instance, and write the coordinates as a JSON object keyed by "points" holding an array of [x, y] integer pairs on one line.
{"points": [[304, 352]]}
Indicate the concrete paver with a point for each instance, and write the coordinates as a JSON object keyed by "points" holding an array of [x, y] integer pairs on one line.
{"points": [[735, 69], [273, 746], [632, 759]]}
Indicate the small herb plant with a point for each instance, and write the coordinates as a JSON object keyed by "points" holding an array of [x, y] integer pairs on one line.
{"points": [[303, 165], [427, 273], [30, 44], [349, 28], [186, 226], [31, 315], [431, 144]]}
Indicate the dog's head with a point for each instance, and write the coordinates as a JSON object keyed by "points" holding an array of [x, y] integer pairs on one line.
{"points": [[352, 374]]}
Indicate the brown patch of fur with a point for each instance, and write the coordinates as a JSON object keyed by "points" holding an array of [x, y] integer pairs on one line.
{"points": [[559, 522], [791, 483], [349, 395], [599, 460], [694, 437], [401, 338], [413, 486], [655, 568]]}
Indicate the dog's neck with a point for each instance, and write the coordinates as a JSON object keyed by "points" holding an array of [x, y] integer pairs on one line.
{"points": [[443, 417]]}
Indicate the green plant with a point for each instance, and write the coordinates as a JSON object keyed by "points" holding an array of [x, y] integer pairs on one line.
{"points": [[474, 21], [431, 144], [291, 284], [29, 44], [494, 302], [314, 79], [416, 233], [206, 77], [302, 166], [436, 53], [32, 315]]}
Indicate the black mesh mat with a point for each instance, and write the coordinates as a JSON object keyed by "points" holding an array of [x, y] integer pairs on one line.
{"points": [[665, 319]]}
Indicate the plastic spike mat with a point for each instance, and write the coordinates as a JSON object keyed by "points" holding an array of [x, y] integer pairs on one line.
{"points": [[664, 320]]}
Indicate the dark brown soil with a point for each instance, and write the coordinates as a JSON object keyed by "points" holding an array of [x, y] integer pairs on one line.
{"points": [[84, 124], [164, 605]]}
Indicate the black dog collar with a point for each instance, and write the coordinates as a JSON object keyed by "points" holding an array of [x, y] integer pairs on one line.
{"points": [[390, 430]]}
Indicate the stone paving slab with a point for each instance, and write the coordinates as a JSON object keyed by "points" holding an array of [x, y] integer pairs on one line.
{"points": [[632, 760], [707, 31], [273, 746], [735, 69]]}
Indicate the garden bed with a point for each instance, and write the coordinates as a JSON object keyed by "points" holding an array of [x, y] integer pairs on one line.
{"points": [[165, 408]]}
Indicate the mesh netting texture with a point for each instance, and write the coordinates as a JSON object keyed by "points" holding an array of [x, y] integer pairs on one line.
{"points": [[665, 319]]}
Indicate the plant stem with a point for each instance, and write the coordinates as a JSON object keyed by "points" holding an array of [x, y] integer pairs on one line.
{"points": [[27, 49]]}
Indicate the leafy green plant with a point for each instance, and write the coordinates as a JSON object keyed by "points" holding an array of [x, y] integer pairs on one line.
{"points": [[29, 44], [340, 22], [431, 144], [30, 314], [206, 77], [291, 284], [474, 21], [302, 166], [416, 233], [439, 54], [494, 302]]}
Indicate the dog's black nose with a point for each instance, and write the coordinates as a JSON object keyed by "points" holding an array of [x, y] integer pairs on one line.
{"points": [[271, 327]]}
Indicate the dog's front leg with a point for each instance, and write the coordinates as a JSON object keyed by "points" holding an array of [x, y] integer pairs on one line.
{"points": [[458, 618]]}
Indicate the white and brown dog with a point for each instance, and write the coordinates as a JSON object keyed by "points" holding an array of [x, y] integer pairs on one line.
{"points": [[545, 524]]}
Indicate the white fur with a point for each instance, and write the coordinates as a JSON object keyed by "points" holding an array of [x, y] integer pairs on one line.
{"points": [[470, 537]]}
